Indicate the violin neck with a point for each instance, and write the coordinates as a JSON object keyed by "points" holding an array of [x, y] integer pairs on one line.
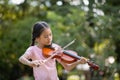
{"points": [[71, 55], [90, 63]]}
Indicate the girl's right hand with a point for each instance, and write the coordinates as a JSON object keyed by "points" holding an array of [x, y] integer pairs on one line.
{"points": [[36, 63]]}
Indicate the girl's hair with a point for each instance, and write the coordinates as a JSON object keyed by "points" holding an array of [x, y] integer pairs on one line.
{"points": [[38, 28]]}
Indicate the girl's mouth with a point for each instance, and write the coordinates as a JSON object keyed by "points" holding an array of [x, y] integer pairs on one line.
{"points": [[49, 42]]}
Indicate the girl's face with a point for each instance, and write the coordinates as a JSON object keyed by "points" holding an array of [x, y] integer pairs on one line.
{"points": [[45, 38]]}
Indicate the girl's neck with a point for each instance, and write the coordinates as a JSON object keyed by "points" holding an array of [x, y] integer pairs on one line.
{"points": [[40, 46]]}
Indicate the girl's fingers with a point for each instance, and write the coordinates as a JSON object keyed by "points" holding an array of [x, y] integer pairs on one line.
{"points": [[83, 60], [41, 62], [38, 63]]}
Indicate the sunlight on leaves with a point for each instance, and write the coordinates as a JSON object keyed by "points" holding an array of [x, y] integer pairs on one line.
{"points": [[99, 47]]}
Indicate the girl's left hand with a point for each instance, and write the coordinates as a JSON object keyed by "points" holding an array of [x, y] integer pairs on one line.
{"points": [[82, 60]]}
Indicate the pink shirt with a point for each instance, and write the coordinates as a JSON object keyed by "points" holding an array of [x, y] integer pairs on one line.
{"points": [[46, 71]]}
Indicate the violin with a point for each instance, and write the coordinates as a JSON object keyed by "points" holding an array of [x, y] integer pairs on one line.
{"points": [[67, 56]]}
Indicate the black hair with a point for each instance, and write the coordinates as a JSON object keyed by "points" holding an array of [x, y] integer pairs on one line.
{"points": [[37, 30]]}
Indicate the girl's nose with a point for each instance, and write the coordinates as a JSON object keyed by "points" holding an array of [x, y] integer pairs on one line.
{"points": [[49, 38]]}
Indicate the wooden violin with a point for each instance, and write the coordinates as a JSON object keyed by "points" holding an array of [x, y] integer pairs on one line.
{"points": [[67, 56]]}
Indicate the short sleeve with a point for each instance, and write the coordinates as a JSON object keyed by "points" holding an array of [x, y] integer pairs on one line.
{"points": [[29, 53]]}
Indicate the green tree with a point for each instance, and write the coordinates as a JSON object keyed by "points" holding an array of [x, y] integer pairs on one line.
{"points": [[95, 26]]}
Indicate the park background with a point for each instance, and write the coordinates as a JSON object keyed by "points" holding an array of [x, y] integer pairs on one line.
{"points": [[95, 24]]}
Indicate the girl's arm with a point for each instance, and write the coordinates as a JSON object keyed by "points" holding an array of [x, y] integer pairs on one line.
{"points": [[24, 60], [74, 64]]}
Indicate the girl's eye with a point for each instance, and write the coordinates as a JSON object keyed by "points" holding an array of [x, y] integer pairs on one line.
{"points": [[46, 36]]}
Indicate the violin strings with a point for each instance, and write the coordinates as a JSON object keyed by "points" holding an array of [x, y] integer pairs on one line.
{"points": [[62, 48]]}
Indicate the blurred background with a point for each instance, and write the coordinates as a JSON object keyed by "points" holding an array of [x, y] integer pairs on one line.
{"points": [[95, 24]]}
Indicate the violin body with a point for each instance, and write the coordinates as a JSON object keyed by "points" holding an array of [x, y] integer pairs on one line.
{"points": [[67, 56], [47, 52]]}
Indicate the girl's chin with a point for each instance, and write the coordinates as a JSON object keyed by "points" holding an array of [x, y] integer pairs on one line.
{"points": [[49, 43]]}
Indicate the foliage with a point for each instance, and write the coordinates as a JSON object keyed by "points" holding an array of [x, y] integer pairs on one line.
{"points": [[95, 34]]}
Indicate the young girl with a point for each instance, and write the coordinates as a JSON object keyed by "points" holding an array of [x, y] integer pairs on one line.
{"points": [[33, 56]]}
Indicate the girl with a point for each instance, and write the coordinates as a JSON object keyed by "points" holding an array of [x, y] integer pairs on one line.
{"points": [[44, 70]]}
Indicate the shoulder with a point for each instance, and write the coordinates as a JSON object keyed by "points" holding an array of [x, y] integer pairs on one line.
{"points": [[55, 45], [30, 48]]}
